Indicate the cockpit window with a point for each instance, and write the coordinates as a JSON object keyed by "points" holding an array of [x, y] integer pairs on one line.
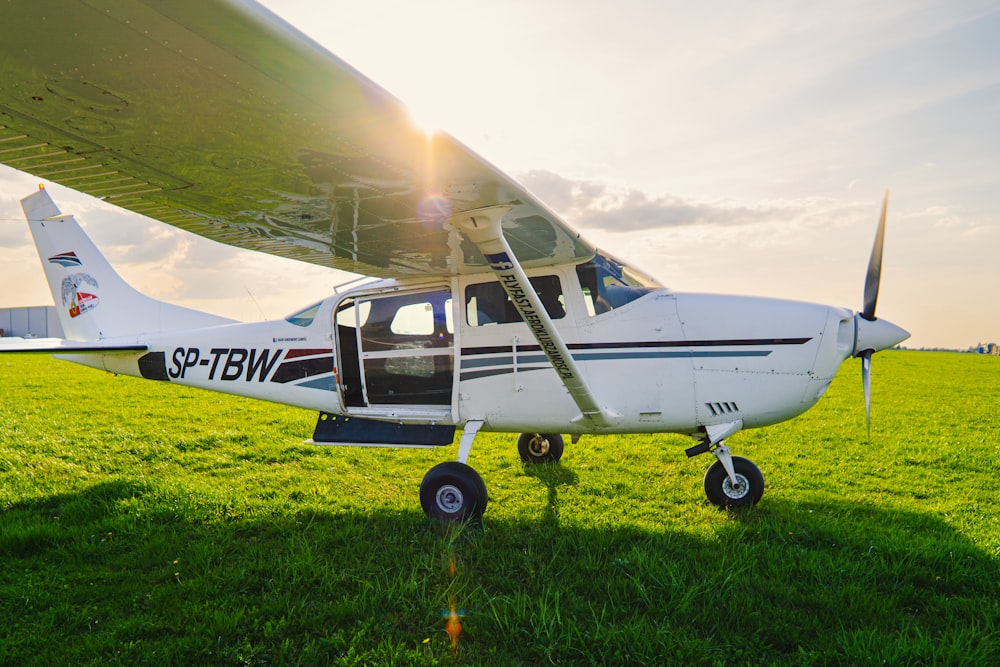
{"points": [[304, 317], [608, 284]]}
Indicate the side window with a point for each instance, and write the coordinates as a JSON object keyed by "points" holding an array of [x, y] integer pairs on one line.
{"points": [[304, 317], [414, 319], [407, 321], [350, 314], [488, 303]]}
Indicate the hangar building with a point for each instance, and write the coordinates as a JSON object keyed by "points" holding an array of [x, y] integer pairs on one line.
{"points": [[30, 322]]}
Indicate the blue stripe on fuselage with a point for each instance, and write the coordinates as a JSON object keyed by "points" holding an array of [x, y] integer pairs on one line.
{"points": [[501, 364]]}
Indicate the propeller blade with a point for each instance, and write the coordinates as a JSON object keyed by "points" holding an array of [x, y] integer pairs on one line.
{"points": [[866, 380], [875, 266]]}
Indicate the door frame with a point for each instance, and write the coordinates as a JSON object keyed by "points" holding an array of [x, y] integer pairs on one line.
{"points": [[351, 358]]}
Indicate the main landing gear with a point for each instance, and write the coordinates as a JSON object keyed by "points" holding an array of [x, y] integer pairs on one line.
{"points": [[540, 447], [453, 491], [742, 488]]}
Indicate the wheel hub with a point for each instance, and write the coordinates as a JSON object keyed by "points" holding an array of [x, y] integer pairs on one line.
{"points": [[737, 490], [539, 446], [450, 499]]}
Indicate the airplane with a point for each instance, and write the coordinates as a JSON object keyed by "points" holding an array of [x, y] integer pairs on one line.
{"points": [[482, 311]]}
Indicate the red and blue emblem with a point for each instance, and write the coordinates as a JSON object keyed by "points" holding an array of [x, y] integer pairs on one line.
{"points": [[77, 301], [67, 259]]}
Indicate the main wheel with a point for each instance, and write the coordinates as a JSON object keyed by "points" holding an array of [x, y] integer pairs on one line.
{"points": [[722, 492], [453, 491], [540, 447]]}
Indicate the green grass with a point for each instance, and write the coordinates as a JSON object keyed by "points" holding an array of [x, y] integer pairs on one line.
{"points": [[143, 523]]}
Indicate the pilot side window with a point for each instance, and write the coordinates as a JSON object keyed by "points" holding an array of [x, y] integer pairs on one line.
{"points": [[488, 303]]}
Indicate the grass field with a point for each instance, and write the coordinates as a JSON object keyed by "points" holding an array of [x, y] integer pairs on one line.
{"points": [[144, 523]]}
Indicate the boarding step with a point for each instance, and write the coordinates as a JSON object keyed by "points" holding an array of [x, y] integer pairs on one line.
{"points": [[361, 432]]}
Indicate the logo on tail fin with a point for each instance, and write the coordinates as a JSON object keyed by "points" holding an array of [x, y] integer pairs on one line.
{"points": [[77, 301], [66, 259]]}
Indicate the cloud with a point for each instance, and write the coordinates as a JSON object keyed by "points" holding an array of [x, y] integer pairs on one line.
{"points": [[13, 234], [590, 204]]}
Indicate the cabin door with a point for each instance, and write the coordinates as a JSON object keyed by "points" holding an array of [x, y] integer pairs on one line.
{"points": [[396, 349]]}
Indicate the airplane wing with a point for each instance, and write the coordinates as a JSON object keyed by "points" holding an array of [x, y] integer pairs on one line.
{"points": [[217, 117]]}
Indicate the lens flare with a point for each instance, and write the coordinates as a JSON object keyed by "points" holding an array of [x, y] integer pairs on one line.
{"points": [[433, 208], [453, 615], [454, 626]]}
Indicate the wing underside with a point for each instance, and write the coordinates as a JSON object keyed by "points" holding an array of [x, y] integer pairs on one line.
{"points": [[218, 118]]}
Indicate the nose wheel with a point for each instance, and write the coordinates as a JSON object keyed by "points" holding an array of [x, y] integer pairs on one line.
{"points": [[741, 489]]}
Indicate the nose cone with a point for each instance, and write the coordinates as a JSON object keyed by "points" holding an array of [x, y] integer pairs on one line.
{"points": [[875, 335]]}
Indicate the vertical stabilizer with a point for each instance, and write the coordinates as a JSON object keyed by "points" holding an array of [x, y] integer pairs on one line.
{"points": [[92, 300]]}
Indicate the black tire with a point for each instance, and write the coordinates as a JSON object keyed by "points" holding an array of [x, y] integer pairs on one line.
{"points": [[720, 490], [540, 447], [453, 491]]}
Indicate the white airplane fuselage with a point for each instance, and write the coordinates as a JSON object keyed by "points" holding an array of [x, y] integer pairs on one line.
{"points": [[664, 362]]}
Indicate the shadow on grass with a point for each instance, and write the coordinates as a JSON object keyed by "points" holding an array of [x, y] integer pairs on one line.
{"points": [[135, 573], [552, 475]]}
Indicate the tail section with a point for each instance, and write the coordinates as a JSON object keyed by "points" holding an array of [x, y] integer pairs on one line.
{"points": [[92, 300]]}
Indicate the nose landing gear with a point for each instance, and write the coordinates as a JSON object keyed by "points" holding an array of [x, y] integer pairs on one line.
{"points": [[741, 488], [732, 481]]}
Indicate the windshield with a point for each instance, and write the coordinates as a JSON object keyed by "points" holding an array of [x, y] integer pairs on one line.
{"points": [[608, 283]]}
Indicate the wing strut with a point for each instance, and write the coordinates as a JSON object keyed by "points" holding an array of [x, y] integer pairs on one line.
{"points": [[482, 227]]}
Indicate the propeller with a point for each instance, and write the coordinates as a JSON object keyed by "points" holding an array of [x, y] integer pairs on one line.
{"points": [[866, 380], [875, 265], [872, 334]]}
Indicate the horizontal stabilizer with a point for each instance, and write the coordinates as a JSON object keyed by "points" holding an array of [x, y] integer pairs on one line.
{"points": [[61, 346], [359, 432]]}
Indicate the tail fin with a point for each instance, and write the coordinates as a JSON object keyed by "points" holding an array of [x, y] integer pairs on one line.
{"points": [[92, 300]]}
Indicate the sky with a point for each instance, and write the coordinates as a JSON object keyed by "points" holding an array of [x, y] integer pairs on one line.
{"points": [[726, 147]]}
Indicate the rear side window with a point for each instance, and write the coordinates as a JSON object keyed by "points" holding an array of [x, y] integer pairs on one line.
{"points": [[488, 303], [304, 317]]}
